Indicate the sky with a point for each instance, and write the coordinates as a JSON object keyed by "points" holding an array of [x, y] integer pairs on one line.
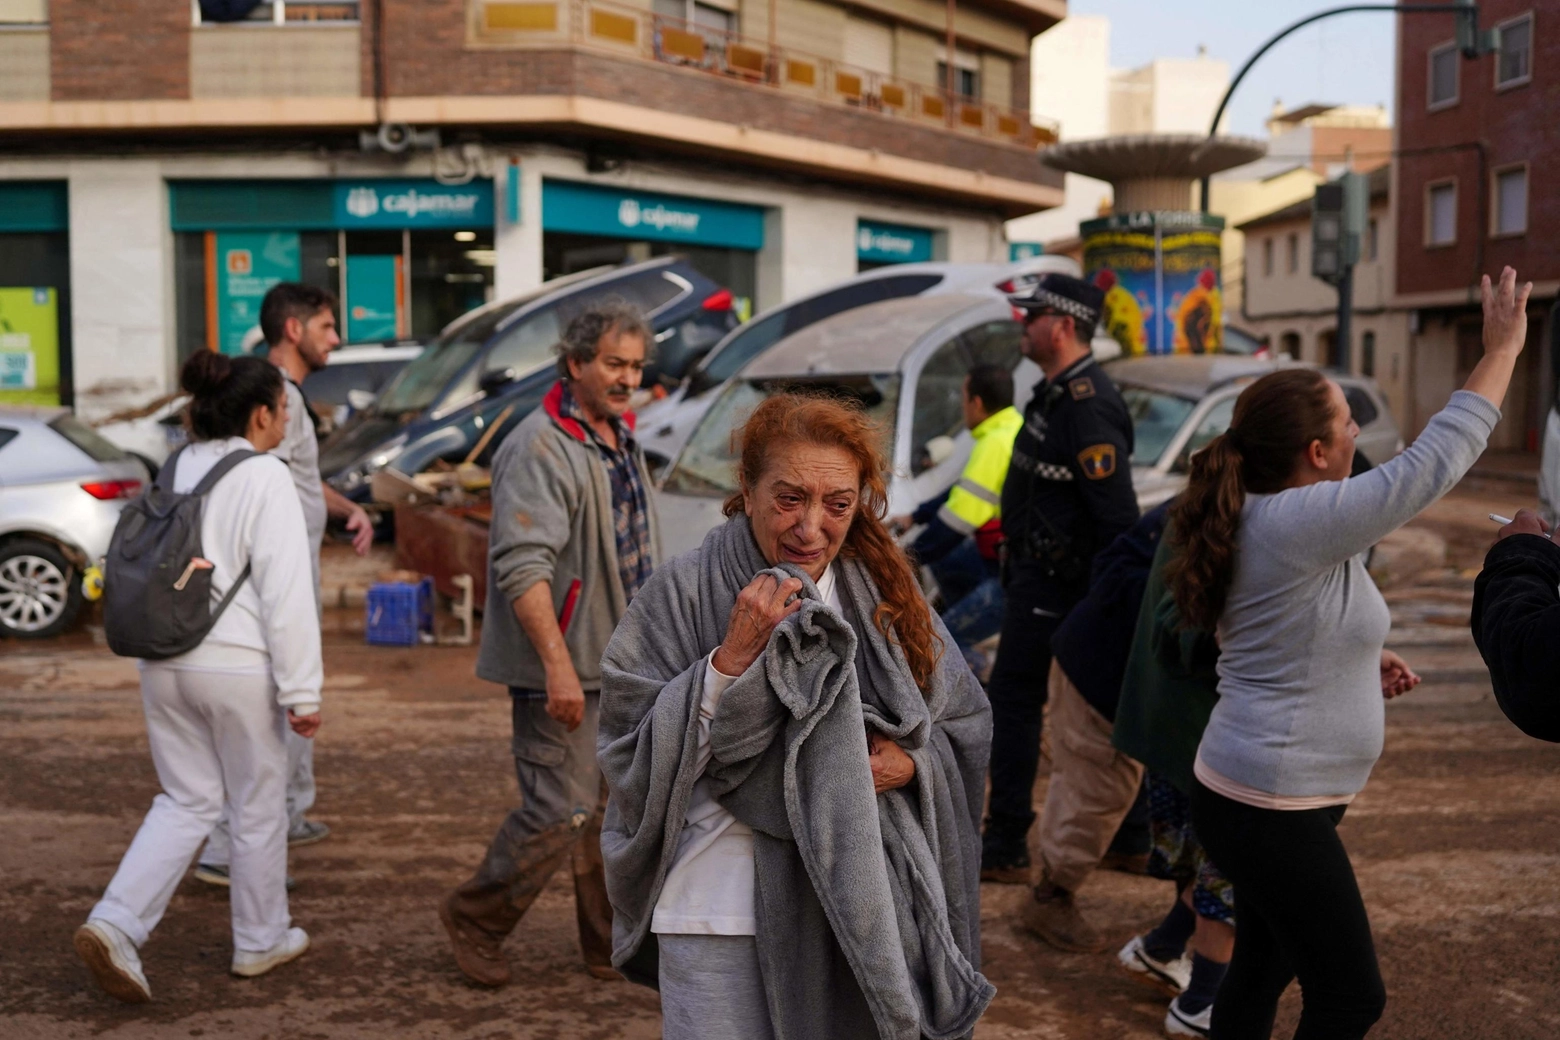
{"points": [[1345, 59]]}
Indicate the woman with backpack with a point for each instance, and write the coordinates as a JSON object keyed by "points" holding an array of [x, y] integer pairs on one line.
{"points": [[1269, 541], [216, 713]]}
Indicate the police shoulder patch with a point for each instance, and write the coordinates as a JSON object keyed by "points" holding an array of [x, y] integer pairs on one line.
{"points": [[1098, 461], [1081, 388]]}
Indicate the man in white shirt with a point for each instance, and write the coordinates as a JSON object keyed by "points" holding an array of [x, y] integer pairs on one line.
{"points": [[299, 323]]}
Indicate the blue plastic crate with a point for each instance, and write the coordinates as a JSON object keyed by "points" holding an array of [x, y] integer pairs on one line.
{"points": [[398, 611]]}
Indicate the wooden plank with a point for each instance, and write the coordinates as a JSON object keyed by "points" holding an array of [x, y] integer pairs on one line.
{"points": [[893, 95], [610, 26], [801, 73], [679, 43], [443, 542], [520, 17], [972, 116], [932, 107], [749, 61], [847, 85]]}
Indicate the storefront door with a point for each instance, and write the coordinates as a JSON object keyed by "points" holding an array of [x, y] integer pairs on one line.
{"points": [[34, 294]]}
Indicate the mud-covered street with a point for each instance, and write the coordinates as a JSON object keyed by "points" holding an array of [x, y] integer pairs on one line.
{"points": [[1456, 841]]}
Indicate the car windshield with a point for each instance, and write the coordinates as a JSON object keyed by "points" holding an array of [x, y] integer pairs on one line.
{"points": [[422, 381], [1156, 418], [708, 464]]}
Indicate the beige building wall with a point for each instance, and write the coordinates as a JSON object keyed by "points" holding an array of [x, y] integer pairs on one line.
{"points": [[259, 61], [915, 55], [996, 79], [1238, 200], [1292, 307], [24, 64]]}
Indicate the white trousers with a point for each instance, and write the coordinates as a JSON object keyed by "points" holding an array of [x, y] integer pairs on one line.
{"points": [[216, 740], [300, 799]]}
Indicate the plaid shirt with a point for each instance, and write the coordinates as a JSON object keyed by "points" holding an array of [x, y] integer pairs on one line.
{"points": [[630, 510]]}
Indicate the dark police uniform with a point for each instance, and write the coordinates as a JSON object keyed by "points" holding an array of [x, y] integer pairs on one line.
{"points": [[1068, 494]]}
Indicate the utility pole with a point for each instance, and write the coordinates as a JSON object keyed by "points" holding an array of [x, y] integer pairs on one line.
{"points": [[1340, 211]]}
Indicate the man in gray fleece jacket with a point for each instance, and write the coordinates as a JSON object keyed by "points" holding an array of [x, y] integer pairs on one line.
{"points": [[573, 538]]}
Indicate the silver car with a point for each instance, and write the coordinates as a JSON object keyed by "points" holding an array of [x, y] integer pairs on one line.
{"points": [[665, 425], [61, 490], [904, 360], [1180, 402]]}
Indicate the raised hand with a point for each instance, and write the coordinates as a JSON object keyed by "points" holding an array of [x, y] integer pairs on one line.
{"points": [[1505, 313]]}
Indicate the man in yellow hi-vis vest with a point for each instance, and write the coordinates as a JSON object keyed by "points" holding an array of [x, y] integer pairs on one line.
{"points": [[964, 527]]}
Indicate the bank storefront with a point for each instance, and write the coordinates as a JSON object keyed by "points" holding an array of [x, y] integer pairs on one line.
{"points": [[35, 360], [585, 225], [404, 255], [879, 244]]}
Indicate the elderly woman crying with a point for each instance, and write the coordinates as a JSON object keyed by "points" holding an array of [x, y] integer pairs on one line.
{"points": [[796, 765]]}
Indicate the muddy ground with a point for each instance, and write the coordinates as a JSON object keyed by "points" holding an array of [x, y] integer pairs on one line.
{"points": [[1456, 842]]}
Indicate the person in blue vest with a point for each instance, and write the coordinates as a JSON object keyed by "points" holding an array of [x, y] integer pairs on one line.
{"points": [[963, 528]]}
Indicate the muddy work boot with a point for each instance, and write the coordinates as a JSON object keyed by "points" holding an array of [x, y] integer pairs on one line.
{"points": [[1053, 915], [1005, 862], [480, 958]]}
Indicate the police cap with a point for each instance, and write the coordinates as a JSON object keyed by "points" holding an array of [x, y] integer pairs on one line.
{"points": [[1059, 294]]}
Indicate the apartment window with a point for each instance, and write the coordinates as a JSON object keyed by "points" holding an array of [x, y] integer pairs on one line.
{"points": [[1267, 258], [1443, 76], [1441, 214], [1372, 239], [273, 12], [24, 12], [1514, 66], [1294, 253], [1368, 354], [1511, 201], [697, 16], [966, 72]]}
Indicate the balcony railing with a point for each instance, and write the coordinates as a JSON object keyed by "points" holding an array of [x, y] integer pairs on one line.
{"points": [[629, 30]]}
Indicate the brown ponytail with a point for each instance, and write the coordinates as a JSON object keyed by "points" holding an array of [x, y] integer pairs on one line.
{"points": [[1276, 419]]}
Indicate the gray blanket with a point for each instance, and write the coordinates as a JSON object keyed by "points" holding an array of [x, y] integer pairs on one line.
{"points": [[867, 906]]}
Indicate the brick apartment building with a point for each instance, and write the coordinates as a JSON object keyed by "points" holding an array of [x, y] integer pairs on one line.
{"points": [[1477, 155], [159, 168]]}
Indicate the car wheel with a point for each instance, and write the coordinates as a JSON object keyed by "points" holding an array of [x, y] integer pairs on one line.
{"points": [[40, 590]]}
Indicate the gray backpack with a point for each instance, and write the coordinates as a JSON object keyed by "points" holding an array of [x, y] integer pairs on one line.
{"points": [[156, 601]]}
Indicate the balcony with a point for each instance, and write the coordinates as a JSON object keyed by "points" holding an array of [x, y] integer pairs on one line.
{"points": [[631, 32]]}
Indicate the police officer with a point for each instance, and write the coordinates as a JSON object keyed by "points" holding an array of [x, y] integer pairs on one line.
{"points": [[1068, 494]]}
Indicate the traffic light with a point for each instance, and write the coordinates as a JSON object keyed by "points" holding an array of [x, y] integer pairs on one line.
{"points": [[1470, 40], [1339, 213]]}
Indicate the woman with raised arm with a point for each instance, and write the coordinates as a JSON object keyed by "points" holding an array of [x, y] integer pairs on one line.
{"points": [[797, 760], [1270, 538]]}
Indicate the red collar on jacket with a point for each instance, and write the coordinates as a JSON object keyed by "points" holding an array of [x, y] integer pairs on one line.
{"points": [[550, 404]]}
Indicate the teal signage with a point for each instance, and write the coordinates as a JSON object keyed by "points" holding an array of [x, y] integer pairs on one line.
{"points": [[321, 205], [248, 264], [373, 296], [590, 209], [892, 243], [388, 203], [1025, 250]]}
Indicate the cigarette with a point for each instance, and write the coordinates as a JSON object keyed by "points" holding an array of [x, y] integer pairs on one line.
{"points": [[1502, 520]]}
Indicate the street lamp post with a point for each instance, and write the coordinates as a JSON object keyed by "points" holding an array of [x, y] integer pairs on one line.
{"points": [[1470, 40]]}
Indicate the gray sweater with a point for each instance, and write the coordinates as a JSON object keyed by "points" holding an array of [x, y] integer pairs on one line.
{"points": [[1300, 708], [553, 522]]}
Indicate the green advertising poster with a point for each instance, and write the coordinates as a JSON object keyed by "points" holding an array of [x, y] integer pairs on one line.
{"points": [[29, 346], [248, 264], [373, 293]]}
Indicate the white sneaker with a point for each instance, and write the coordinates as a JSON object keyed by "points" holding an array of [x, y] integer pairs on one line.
{"points": [[250, 964], [1171, 976], [113, 961], [1179, 1023]]}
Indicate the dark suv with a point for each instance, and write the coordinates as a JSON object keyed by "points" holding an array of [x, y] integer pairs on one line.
{"points": [[501, 355]]}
